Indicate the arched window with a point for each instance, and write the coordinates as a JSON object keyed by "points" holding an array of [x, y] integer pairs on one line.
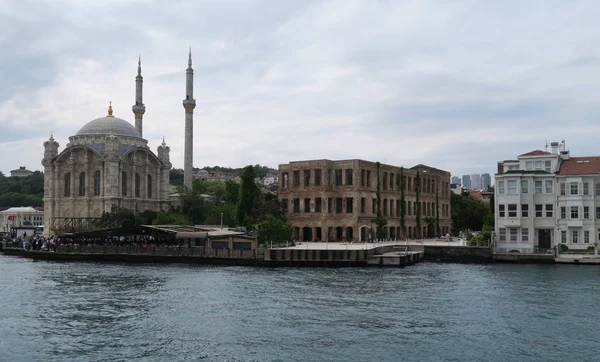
{"points": [[82, 184], [137, 185], [97, 183], [67, 184], [149, 188], [123, 183]]}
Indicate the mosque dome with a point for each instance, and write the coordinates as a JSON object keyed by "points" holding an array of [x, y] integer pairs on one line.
{"points": [[109, 125]]}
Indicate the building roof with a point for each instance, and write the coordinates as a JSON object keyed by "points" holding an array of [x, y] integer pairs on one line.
{"points": [[530, 172], [109, 125], [475, 194], [580, 166], [535, 153], [21, 169], [14, 210]]}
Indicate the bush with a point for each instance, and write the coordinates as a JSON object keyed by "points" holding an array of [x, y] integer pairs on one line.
{"points": [[562, 248], [591, 248], [475, 240]]}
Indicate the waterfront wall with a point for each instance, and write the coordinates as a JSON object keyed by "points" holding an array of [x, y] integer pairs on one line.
{"points": [[129, 258], [459, 254], [335, 257], [524, 258]]}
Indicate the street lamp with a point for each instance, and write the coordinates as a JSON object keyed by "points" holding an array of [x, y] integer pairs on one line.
{"points": [[221, 220]]}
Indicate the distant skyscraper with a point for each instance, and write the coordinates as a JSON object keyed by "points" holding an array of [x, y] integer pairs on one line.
{"points": [[486, 181], [466, 181], [455, 180], [476, 181]]}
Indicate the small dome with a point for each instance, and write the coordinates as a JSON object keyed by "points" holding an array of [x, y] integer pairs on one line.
{"points": [[109, 125]]}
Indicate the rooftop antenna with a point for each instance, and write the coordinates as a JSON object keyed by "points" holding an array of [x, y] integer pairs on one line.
{"points": [[546, 145]]}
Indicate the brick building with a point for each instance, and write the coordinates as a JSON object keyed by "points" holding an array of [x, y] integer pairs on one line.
{"points": [[336, 200]]}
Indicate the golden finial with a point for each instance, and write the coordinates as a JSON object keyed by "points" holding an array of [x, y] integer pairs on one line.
{"points": [[109, 109]]}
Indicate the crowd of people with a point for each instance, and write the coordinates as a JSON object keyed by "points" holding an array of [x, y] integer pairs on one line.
{"points": [[34, 242]]}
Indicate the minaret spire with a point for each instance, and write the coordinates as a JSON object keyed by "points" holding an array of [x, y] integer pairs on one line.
{"points": [[139, 108], [189, 103]]}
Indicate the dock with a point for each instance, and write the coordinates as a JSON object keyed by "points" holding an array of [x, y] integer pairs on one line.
{"points": [[337, 254]]}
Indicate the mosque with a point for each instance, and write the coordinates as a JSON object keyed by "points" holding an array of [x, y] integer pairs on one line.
{"points": [[108, 164]]}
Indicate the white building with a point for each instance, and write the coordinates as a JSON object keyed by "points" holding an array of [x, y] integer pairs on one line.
{"points": [[21, 172], [20, 216], [547, 198], [269, 180]]}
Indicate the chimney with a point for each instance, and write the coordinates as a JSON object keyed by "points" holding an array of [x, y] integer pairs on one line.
{"points": [[500, 167], [564, 155], [554, 146]]}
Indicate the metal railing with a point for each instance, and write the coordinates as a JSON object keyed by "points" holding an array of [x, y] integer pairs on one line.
{"points": [[162, 250]]}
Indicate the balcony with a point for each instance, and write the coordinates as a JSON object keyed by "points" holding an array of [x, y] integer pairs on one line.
{"points": [[574, 223]]}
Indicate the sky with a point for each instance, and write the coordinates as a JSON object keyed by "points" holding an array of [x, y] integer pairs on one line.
{"points": [[458, 85]]}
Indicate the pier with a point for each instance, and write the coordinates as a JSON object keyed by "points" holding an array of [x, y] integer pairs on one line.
{"points": [[391, 253]]}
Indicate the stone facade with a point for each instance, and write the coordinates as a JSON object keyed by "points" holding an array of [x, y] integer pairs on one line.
{"points": [[336, 200], [96, 173]]}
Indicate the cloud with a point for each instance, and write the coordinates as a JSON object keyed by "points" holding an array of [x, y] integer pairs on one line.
{"points": [[457, 85]]}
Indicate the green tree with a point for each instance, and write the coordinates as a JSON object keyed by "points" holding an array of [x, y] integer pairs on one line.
{"points": [[193, 206], [380, 221], [122, 217], [467, 213], [249, 197], [170, 218], [430, 225], [176, 176], [437, 214], [417, 198], [232, 192], [216, 209], [402, 202], [274, 230]]}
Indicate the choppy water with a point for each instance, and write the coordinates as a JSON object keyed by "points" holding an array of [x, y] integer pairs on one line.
{"points": [[442, 312]]}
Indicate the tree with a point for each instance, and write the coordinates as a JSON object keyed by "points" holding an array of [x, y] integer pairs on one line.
{"points": [[214, 211], [467, 213], [249, 197], [437, 213], [193, 206], [274, 230], [170, 218], [402, 202], [430, 224], [380, 221], [417, 194], [123, 217], [176, 176], [232, 192]]}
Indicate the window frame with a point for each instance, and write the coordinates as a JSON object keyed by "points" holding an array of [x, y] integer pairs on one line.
{"points": [[502, 234], [574, 191], [525, 235], [524, 210], [512, 210], [574, 211], [538, 189], [549, 210], [511, 187], [524, 186], [539, 210], [549, 189]]}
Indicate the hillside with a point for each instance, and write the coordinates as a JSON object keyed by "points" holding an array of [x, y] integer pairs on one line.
{"points": [[22, 191]]}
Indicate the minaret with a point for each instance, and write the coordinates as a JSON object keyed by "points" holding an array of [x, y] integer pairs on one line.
{"points": [[139, 108], [189, 103]]}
